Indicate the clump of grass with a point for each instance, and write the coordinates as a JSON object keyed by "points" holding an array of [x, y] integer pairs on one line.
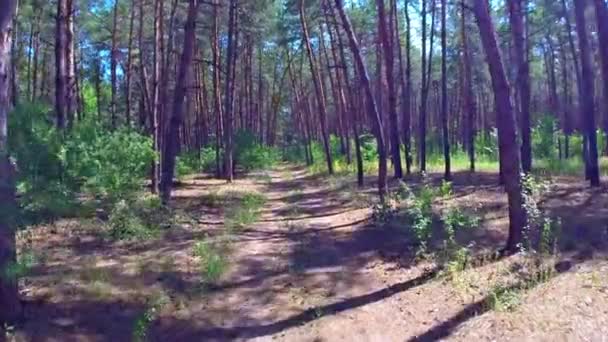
{"points": [[507, 298], [245, 212], [212, 260]]}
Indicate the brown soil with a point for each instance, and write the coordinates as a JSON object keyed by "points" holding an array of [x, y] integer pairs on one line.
{"points": [[313, 268]]}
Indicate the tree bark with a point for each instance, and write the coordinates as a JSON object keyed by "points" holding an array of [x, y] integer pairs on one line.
{"points": [[387, 48], [516, 10], [469, 96], [60, 63], [601, 13], [444, 94], [217, 99], [113, 67], [228, 96], [171, 140], [9, 293], [70, 59], [507, 133], [406, 84], [129, 71], [156, 105], [587, 95]]}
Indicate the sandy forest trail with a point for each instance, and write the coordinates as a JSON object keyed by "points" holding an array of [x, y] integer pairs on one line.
{"points": [[313, 268]]}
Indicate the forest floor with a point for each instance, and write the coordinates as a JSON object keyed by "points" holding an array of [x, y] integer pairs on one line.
{"points": [[315, 268]]}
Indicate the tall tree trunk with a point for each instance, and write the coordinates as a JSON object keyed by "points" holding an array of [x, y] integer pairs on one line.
{"points": [[601, 13], [318, 90], [507, 133], [60, 64], [444, 94], [156, 105], [113, 67], [372, 109], [426, 78], [9, 293], [70, 59], [36, 54], [587, 95], [392, 98], [516, 15], [567, 125], [469, 96], [129, 71], [30, 56], [171, 140], [15, 61], [228, 96], [406, 84], [217, 99]]}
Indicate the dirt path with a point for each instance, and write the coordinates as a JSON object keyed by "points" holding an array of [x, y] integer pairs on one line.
{"points": [[311, 255], [311, 269]]}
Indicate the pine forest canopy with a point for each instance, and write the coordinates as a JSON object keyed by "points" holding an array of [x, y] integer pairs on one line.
{"points": [[379, 87]]}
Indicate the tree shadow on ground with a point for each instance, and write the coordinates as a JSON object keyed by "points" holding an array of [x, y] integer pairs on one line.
{"points": [[447, 327], [183, 331]]}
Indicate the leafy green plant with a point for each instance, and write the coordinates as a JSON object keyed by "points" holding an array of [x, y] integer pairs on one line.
{"points": [[445, 189], [502, 298], [550, 231], [456, 219], [421, 213]]}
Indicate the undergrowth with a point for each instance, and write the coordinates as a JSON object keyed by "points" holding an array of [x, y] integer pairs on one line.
{"points": [[139, 219]]}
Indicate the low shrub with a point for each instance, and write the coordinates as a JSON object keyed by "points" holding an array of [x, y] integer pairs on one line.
{"points": [[142, 219], [250, 155]]}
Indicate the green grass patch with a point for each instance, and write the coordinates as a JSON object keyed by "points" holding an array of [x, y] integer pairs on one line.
{"points": [[212, 260], [246, 211]]}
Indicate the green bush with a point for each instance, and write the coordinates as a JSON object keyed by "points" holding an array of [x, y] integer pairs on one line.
{"points": [[143, 218], [54, 168], [249, 154], [111, 165]]}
